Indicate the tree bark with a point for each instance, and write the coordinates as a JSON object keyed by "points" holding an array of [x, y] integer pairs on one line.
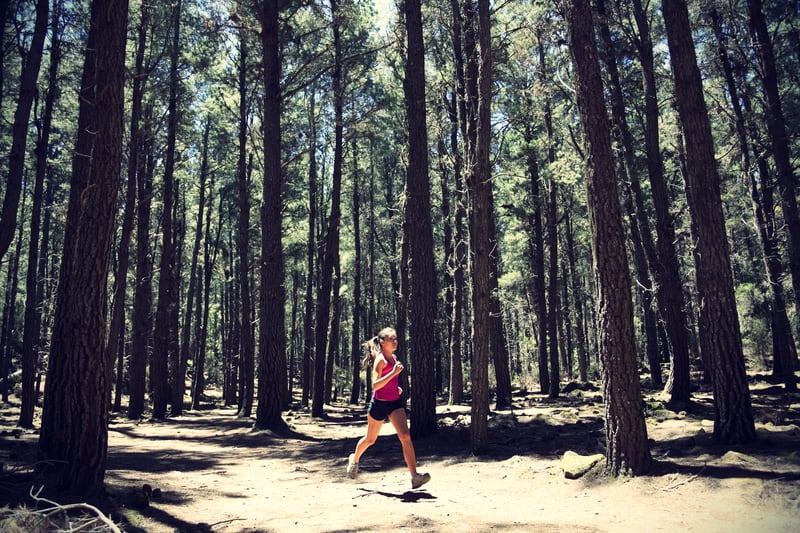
{"points": [[479, 183], [358, 306], [331, 247], [666, 269], [626, 434], [776, 125], [246, 342], [719, 322], [33, 295], [783, 347], [141, 334], [165, 347], [272, 342], [311, 244], [75, 413], [420, 233]]}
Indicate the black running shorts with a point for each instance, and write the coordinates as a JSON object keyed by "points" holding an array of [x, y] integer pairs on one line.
{"points": [[380, 409]]}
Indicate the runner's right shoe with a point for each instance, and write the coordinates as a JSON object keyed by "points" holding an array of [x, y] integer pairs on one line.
{"points": [[417, 480], [352, 466]]}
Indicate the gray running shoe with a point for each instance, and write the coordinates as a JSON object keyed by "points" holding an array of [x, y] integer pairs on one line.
{"points": [[417, 480], [352, 466]]}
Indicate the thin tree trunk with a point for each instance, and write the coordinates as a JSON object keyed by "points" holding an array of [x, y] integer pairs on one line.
{"points": [[246, 342], [331, 247], [358, 311], [536, 255], [19, 140], [667, 269], [166, 331], [33, 296], [179, 379], [781, 152], [143, 288], [583, 355], [311, 241]]}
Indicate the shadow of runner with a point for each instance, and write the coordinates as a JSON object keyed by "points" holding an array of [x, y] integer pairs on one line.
{"points": [[409, 496]]}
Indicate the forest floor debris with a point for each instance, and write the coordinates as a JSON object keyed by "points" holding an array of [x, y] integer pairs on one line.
{"points": [[214, 473]]}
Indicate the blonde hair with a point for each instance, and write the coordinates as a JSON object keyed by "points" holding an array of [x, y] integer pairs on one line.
{"points": [[372, 347]]}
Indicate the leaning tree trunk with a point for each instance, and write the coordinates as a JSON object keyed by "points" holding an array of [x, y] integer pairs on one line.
{"points": [[669, 296], [783, 348], [720, 336], [74, 432], [33, 296], [19, 140], [781, 152], [627, 449]]}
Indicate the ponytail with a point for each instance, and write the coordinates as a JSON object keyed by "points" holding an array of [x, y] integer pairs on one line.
{"points": [[372, 348]]}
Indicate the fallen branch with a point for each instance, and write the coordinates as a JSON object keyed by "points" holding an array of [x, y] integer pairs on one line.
{"points": [[684, 482], [57, 508]]}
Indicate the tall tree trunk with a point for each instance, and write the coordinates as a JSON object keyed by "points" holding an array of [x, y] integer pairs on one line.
{"points": [[480, 196], [272, 342], [669, 286], [166, 331], [33, 296], [358, 307], [583, 355], [179, 379], [141, 339], [536, 257], [19, 141], [115, 347], [553, 305], [783, 347], [246, 341], [210, 251], [719, 322], [333, 335], [626, 434], [644, 252], [776, 125], [75, 414], [331, 247], [311, 242], [8, 342], [457, 113], [497, 335], [420, 237]]}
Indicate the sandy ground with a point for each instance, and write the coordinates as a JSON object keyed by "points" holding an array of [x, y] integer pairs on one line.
{"points": [[215, 473]]}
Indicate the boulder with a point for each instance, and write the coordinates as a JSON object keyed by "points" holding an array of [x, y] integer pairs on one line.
{"points": [[575, 466]]}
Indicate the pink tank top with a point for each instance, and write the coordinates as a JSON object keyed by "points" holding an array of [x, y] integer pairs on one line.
{"points": [[389, 392]]}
